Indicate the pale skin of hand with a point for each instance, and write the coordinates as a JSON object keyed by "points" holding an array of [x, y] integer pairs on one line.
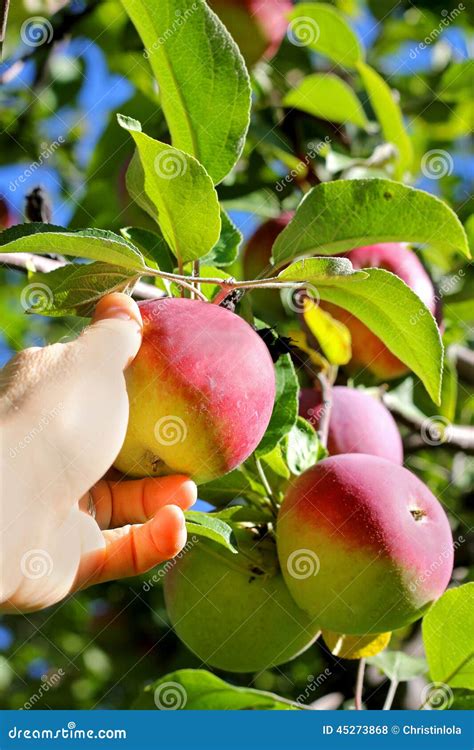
{"points": [[63, 416]]}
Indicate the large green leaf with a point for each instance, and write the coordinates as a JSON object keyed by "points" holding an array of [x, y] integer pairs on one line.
{"points": [[75, 289], [318, 269], [388, 306], [448, 635], [285, 410], [94, 244], [199, 690], [329, 97], [204, 85], [389, 116], [178, 194], [340, 215], [236, 484], [324, 29]]}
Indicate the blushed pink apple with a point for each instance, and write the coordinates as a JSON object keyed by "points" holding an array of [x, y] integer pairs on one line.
{"points": [[358, 423], [201, 392], [364, 545], [368, 351]]}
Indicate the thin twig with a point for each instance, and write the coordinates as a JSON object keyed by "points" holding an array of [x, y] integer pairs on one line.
{"points": [[390, 695], [359, 686], [326, 393], [266, 484]]}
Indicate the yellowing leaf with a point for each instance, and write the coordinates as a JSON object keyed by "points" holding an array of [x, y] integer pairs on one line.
{"points": [[355, 646], [334, 337]]}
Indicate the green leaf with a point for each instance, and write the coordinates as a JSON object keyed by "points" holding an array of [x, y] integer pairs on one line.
{"points": [[237, 484], [318, 269], [95, 244], [226, 249], [301, 447], [152, 245], [388, 306], [456, 82], [76, 288], [208, 526], [199, 690], [178, 194], [389, 116], [462, 701], [398, 666], [340, 215], [285, 410], [204, 85], [329, 97], [448, 629], [325, 30]]}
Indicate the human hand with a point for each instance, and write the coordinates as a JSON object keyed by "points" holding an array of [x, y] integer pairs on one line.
{"points": [[64, 414]]}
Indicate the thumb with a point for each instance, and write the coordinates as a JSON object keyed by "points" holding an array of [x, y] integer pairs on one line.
{"points": [[115, 335]]}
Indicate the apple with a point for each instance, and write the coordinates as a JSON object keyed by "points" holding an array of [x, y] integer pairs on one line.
{"points": [[201, 392], [378, 541], [257, 26], [358, 423], [368, 351], [233, 610], [266, 303]]}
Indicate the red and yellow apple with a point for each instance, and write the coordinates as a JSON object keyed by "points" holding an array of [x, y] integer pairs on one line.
{"points": [[201, 392], [358, 423], [234, 610], [368, 351], [258, 26], [364, 545]]}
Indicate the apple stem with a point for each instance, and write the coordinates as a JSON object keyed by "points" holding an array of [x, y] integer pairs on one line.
{"points": [[266, 484], [390, 695], [326, 392], [359, 686]]}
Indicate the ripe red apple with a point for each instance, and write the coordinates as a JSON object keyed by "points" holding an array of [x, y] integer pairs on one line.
{"points": [[368, 351], [258, 26], [266, 303], [358, 423], [201, 392], [377, 541], [234, 610]]}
